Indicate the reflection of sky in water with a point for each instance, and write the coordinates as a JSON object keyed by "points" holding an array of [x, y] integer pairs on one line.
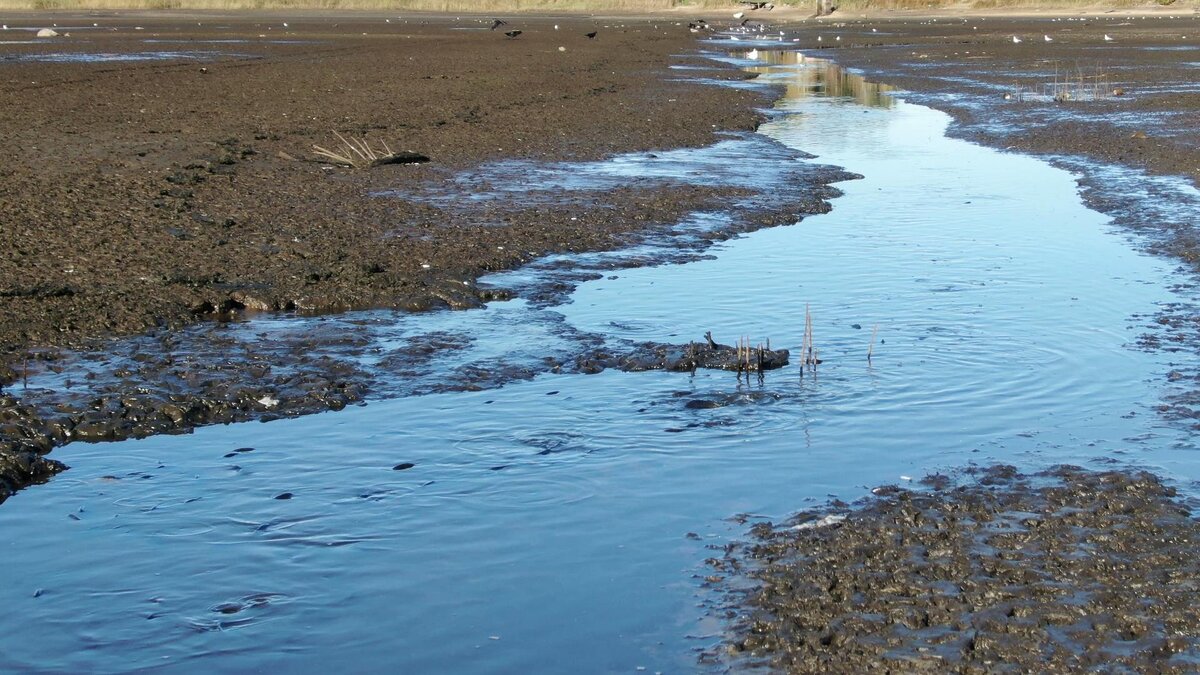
{"points": [[113, 57], [543, 524], [232, 42]]}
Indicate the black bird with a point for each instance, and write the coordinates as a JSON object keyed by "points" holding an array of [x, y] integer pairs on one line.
{"points": [[512, 33], [496, 23], [591, 35], [758, 5]]}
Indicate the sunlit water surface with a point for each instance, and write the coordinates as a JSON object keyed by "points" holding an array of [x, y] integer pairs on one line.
{"points": [[542, 526]]}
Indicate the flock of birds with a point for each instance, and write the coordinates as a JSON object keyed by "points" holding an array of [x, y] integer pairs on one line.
{"points": [[744, 26], [512, 34]]}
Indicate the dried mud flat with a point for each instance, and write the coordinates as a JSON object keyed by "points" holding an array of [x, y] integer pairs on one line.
{"points": [[1067, 570]]}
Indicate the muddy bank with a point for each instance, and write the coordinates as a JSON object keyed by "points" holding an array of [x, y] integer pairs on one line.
{"points": [[1061, 571], [191, 197], [743, 357], [191, 190]]}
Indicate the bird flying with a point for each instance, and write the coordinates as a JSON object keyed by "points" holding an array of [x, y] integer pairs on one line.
{"points": [[496, 23]]}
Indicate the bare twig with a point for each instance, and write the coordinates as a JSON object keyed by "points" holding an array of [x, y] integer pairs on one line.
{"points": [[355, 152]]}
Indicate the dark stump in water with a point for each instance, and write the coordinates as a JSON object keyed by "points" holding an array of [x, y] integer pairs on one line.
{"points": [[1064, 571], [686, 358]]}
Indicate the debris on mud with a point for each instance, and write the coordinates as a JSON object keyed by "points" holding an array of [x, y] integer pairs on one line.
{"points": [[1067, 570], [685, 358]]}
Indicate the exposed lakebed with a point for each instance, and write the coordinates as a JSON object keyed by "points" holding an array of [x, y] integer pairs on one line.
{"points": [[544, 524]]}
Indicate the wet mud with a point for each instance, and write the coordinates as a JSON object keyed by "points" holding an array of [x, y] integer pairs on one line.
{"points": [[1067, 570], [191, 201], [707, 353], [194, 192]]}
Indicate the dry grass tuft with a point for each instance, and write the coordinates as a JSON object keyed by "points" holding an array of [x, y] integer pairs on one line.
{"points": [[356, 153]]}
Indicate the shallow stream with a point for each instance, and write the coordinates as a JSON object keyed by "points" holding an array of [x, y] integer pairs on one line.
{"points": [[544, 526]]}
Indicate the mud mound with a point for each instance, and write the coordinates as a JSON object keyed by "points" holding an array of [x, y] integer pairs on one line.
{"points": [[1063, 571]]}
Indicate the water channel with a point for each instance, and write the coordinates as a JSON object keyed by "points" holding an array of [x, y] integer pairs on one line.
{"points": [[543, 526]]}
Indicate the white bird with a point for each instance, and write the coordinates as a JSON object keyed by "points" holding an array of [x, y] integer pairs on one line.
{"points": [[1016, 40], [4, 27], [1108, 38], [752, 54], [818, 38], [739, 15], [838, 38], [1047, 38]]}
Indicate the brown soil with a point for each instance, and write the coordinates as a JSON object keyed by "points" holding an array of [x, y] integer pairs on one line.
{"points": [[1065, 571], [143, 196], [152, 193]]}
